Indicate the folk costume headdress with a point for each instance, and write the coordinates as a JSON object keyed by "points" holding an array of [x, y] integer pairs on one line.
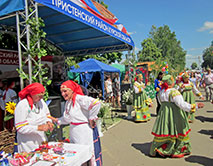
{"points": [[30, 90], [74, 87], [138, 76], [167, 80], [185, 75]]}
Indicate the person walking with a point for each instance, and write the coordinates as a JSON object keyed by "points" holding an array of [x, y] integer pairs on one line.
{"points": [[108, 89], [141, 102], [208, 80], [188, 89], [116, 91], [171, 128], [158, 82]]}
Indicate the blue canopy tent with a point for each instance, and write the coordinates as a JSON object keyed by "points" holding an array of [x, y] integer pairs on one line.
{"points": [[70, 27], [87, 69]]}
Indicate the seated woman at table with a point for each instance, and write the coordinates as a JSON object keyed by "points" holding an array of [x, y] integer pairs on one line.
{"points": [[81, 112], [31, 118]]}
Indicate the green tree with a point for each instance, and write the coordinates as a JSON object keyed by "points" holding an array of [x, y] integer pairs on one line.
{"points": [[194, 65], [169, 46], [208, 57], [107, 58], [150, 52]]}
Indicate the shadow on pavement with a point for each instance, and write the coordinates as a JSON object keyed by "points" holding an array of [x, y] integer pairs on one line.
{"points": [[201, 101], [209, 111], [207, 132], [153, 115], [204, 119], [144, 148], [200, 160]]}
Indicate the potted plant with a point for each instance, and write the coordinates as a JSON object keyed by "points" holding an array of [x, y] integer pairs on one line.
{"points": [[128, 100], [105, 108]]}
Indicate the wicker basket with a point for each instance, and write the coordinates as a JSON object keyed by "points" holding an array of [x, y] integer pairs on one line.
{"points": [[7, 139]]}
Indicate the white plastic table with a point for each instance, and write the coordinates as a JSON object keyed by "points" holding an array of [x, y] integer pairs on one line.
{"points": [[82, 155]]}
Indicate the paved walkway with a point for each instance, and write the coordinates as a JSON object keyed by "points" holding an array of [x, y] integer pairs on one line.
{"points": [[128, 143]]}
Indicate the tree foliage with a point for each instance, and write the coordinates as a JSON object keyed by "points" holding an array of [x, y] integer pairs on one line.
{"points": [[8, 41], [162, 43], [194, 65], [107, 58], [208, 57], [150, 49]]}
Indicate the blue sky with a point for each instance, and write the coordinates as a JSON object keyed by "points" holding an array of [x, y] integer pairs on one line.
{"points": [[191, 20]]}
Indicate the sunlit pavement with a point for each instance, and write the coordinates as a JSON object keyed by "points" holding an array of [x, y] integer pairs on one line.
{"points": [[128, 143]]}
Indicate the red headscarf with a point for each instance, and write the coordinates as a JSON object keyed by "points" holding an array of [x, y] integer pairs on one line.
{"points": [[164, 86], [30, 90], [74, 87]]}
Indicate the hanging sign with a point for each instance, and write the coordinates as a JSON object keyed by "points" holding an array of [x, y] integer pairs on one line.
{"points": [[8, 57]]}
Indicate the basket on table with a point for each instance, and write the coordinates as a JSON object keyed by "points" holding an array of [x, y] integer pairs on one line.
{"points": [[7, 139]]}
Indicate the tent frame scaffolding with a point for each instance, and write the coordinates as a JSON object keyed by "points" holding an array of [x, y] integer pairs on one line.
{"points": [[99, 50], [24, 31]]}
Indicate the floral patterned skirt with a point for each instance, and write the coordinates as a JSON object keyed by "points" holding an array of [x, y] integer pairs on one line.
{"points": [[142, 113], [188, 96]]}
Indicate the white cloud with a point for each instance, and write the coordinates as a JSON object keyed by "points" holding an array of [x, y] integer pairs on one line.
{"points": [[188, 55], [207, 26], [195, 49]]}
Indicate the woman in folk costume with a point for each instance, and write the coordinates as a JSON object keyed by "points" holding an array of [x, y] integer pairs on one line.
{"points": [[171, 128], [141, 101], [188, 89], [81, 112], [31, 118]]}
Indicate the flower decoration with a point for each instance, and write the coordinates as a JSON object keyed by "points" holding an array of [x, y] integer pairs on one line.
{"points": [[105, 108], [10, 109], [165, 68], [128, 97]]}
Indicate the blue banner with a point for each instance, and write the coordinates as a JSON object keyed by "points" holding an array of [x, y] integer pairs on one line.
{"points": [[10, 6], [71, 9]]}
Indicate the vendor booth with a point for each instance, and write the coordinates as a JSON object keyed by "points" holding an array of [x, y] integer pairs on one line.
{"points": [[89, 67], [76, 27]]}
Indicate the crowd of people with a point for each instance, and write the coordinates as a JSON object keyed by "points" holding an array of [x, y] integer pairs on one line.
{"points": [[113, 90], [175, 110]]}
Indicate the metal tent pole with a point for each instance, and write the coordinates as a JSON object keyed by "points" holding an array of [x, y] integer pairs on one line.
{"points": [[28, 42], [19, 48], [38, 44]]}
